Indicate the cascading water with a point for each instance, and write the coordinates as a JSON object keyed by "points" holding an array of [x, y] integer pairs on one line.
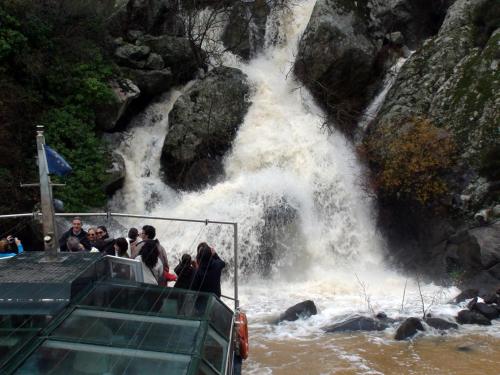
{"points": [[293, 185]]}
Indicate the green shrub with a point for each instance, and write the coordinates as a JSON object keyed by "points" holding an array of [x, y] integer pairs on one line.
{"points": [[410, 159]]}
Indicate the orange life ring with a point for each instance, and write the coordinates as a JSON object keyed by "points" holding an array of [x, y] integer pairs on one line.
{"points": [[242, 330]]}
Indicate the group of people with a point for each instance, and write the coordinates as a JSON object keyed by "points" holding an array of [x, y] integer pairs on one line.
{"points": [[201, 274], [10, 246]]}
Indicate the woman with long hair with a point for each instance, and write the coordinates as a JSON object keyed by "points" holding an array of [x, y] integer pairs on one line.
{"points": [[152, 266]]}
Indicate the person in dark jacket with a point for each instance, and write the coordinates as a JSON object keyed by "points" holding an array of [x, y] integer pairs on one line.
{"points": [[185, 272], [207, 276], [75, 231], [104, 243]]}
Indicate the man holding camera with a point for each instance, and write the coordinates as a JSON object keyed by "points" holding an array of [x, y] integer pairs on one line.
{"points": [[10, 246]]}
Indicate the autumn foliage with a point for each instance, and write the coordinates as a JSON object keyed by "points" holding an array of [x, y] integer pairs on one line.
{"points": [[409, 160]]}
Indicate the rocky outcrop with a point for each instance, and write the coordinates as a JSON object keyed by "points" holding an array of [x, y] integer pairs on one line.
{"points": [[451, 81], [409, 328], [358, 323], [302, 310], [125, 91], [115, 175], [202, 126], [245, 32], [336, 56]]}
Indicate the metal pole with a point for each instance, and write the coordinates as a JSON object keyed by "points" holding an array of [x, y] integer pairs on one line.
{"points": [[236, 301], [48, 221]]}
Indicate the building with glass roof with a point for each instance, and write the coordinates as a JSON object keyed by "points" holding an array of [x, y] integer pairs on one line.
{"points": [[81, 315]]}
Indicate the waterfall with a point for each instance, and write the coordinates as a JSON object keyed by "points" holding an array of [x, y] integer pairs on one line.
{"points": [[283, 170]]}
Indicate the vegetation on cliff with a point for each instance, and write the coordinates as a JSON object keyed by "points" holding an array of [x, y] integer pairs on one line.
{"points": [[53, 71]]}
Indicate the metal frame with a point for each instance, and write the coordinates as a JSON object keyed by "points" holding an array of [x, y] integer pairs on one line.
{"points": [[117, 214]]}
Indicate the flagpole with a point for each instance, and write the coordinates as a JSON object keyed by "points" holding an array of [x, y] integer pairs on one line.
{"points": [[48, 218]]}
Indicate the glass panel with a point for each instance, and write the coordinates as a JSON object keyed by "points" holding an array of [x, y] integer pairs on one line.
{"points": [[205, 370], [214, 350], [62, 358], [130, 331], [148, 299], [222, 318], [125, 269], [10, 340]]}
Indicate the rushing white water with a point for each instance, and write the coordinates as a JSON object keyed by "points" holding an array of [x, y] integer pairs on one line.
{"points": [[280, 159]]}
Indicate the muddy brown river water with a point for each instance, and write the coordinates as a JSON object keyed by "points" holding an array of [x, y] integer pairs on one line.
{"points": [[474, 354]]}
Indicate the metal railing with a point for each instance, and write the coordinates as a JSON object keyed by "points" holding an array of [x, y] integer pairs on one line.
{"points": [[117, 214]]}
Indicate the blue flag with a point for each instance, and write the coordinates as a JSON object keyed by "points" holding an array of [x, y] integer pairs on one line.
{"points": [[56, 162]]}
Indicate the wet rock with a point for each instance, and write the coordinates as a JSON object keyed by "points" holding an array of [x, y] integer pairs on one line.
{"points": [[107, 115], [488, 311], [495, 271], [409, 328], [382, 316], [472, 317], [302, 310], [463, 252], [491, 298], [441, 324], [484, 282], [202, 126], [465, 295], [358, 323], [115, 175], [151, 82], [132, 56], [488, 238]]}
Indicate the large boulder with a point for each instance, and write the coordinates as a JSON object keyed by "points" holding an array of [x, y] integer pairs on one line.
{"points": [[245, 32], [488, 238], [441, 324], [336, 55], [115, 174], [301, 310], [177, 53], [107, 115], [202, 126], [465, 295], [488, 311], [463, 253], [151, 82], [472, 317], [154, 17], [358, 323], [409, 328]]}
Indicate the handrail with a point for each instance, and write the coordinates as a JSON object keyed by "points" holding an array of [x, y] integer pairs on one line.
{"points": [[137, 216]]}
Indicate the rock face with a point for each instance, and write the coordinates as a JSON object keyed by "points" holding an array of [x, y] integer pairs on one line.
{"points": [[301, 310], [409, 328], [452, 80], [246, 29], [336, 55], [125, 92], [359, 323], [115, 175], [202, 126]]}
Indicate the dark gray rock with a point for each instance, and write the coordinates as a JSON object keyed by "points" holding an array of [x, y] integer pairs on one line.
{"points": [[472, 317], [495, 271], [488, 238], [336, 56], [151, 82], [465, 295], [279, 232], [132, 56], [202, 126], [463, 253], [488, 311], [177, 53], [245, 32], [408, 328], [115, 174], [302, 310], [441, 324], [358, 323], [107, 115], [491, 298], [484, 282], [154, 62]]}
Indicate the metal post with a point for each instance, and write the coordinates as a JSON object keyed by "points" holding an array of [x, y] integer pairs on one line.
{"points": [[48, 221], [236, 301]]}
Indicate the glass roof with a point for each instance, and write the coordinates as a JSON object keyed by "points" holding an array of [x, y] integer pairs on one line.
{"points": [[118, 327]]}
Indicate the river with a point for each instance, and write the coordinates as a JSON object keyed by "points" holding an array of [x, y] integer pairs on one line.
{"points": [[283, 160]]}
